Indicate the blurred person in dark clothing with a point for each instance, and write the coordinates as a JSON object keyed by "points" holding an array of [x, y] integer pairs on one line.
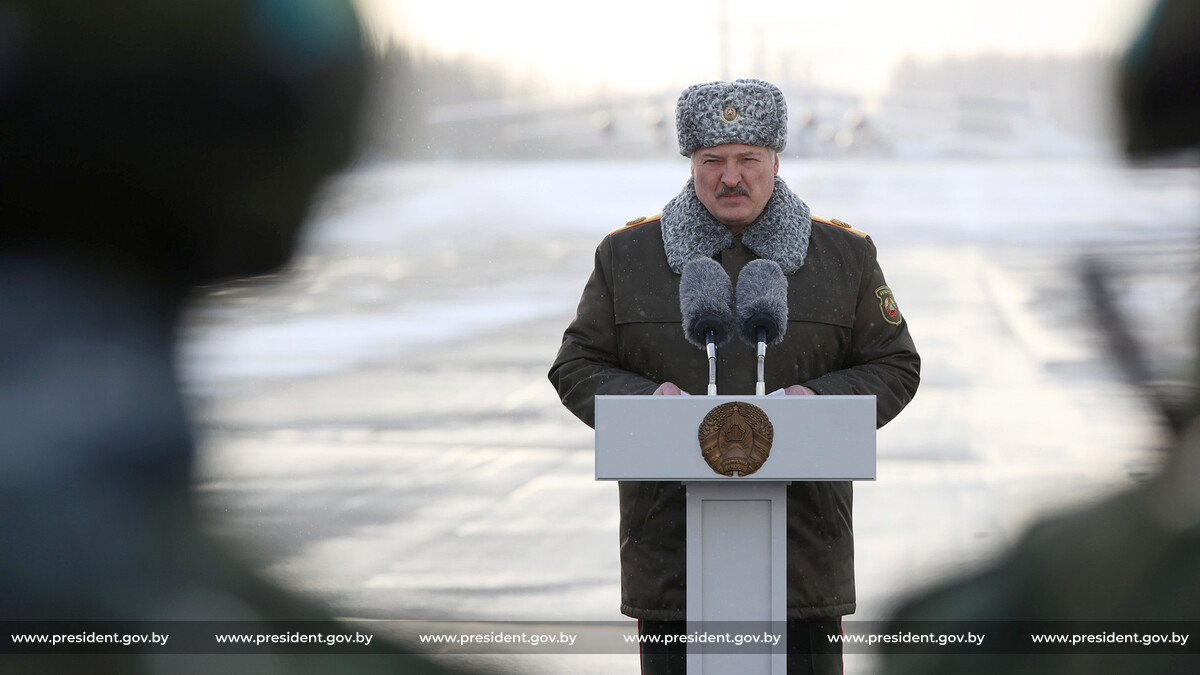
{"points": [[145, 147], [1132, 563]]}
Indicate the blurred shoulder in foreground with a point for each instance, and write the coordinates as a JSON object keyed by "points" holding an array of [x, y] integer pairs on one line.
{"points": [[1130, 565], [146, 147]]}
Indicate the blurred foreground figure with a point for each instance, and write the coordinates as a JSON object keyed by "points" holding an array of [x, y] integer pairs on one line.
{"points": [[1134, 560], [144, 147]]}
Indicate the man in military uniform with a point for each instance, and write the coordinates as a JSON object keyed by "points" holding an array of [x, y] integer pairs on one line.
{"points": [[844, 336]]}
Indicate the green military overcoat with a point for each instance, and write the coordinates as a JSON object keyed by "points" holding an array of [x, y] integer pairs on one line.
{"points": [[845, 335]]}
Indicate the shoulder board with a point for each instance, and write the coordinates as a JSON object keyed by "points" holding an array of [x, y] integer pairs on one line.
{"points": [[642, 220], [839, 224]]}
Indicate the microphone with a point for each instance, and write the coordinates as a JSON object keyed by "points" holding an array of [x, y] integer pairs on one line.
{"points": [[761, 309], [706, 301]]}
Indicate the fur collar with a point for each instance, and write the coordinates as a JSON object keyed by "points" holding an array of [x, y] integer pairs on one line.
{"points": [[780, 233]]}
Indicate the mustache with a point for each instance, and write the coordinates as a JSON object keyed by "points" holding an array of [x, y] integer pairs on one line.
{"points": [[735, 190]]}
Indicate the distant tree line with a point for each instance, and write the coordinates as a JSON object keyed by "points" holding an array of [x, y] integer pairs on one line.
{"points": [[428, 106], [411, 86], [1073, 92]]}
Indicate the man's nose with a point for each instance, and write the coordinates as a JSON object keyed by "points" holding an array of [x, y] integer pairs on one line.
{"points": [[731, 175]]}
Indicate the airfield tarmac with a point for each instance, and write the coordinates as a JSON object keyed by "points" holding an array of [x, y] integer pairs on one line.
{"points": [[377, 431]]}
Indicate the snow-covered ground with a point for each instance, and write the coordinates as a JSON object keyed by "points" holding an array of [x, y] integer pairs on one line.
{"points": [[378, 426]]}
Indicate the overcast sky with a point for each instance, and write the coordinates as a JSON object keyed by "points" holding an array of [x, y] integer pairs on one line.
{"points": [[653, 44]]}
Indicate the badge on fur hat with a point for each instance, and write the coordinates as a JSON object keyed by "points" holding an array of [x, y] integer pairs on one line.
{"points": [[730, 114], [888, 306]]}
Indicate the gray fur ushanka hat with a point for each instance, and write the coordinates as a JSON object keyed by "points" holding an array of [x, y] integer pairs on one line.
{"points": [[746, 111]]}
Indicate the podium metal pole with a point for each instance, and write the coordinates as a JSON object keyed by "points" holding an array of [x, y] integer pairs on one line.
{"points": [[737, 575]]}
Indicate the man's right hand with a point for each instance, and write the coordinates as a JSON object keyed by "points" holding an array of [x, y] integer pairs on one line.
{"points": [[668, 389]]}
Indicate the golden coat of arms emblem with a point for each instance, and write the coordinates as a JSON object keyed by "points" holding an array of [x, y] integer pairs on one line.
{"points": [[735, 438]]}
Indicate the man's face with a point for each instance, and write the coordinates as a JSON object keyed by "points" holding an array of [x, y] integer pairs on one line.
{"points": [[734, 181]]}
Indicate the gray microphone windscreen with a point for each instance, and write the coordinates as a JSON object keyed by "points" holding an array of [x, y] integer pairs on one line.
{"points": [[706, 301], [762, 302]]}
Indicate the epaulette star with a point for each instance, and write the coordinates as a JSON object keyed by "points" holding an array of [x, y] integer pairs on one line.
{"points": [[839, 224], [641, 220]]}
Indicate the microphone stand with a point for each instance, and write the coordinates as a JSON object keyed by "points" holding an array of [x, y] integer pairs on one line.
{"points": [[712, 362], [760, 387]]}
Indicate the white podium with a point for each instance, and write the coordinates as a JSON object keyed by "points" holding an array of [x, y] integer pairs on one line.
{"points": [[736, 526]]}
